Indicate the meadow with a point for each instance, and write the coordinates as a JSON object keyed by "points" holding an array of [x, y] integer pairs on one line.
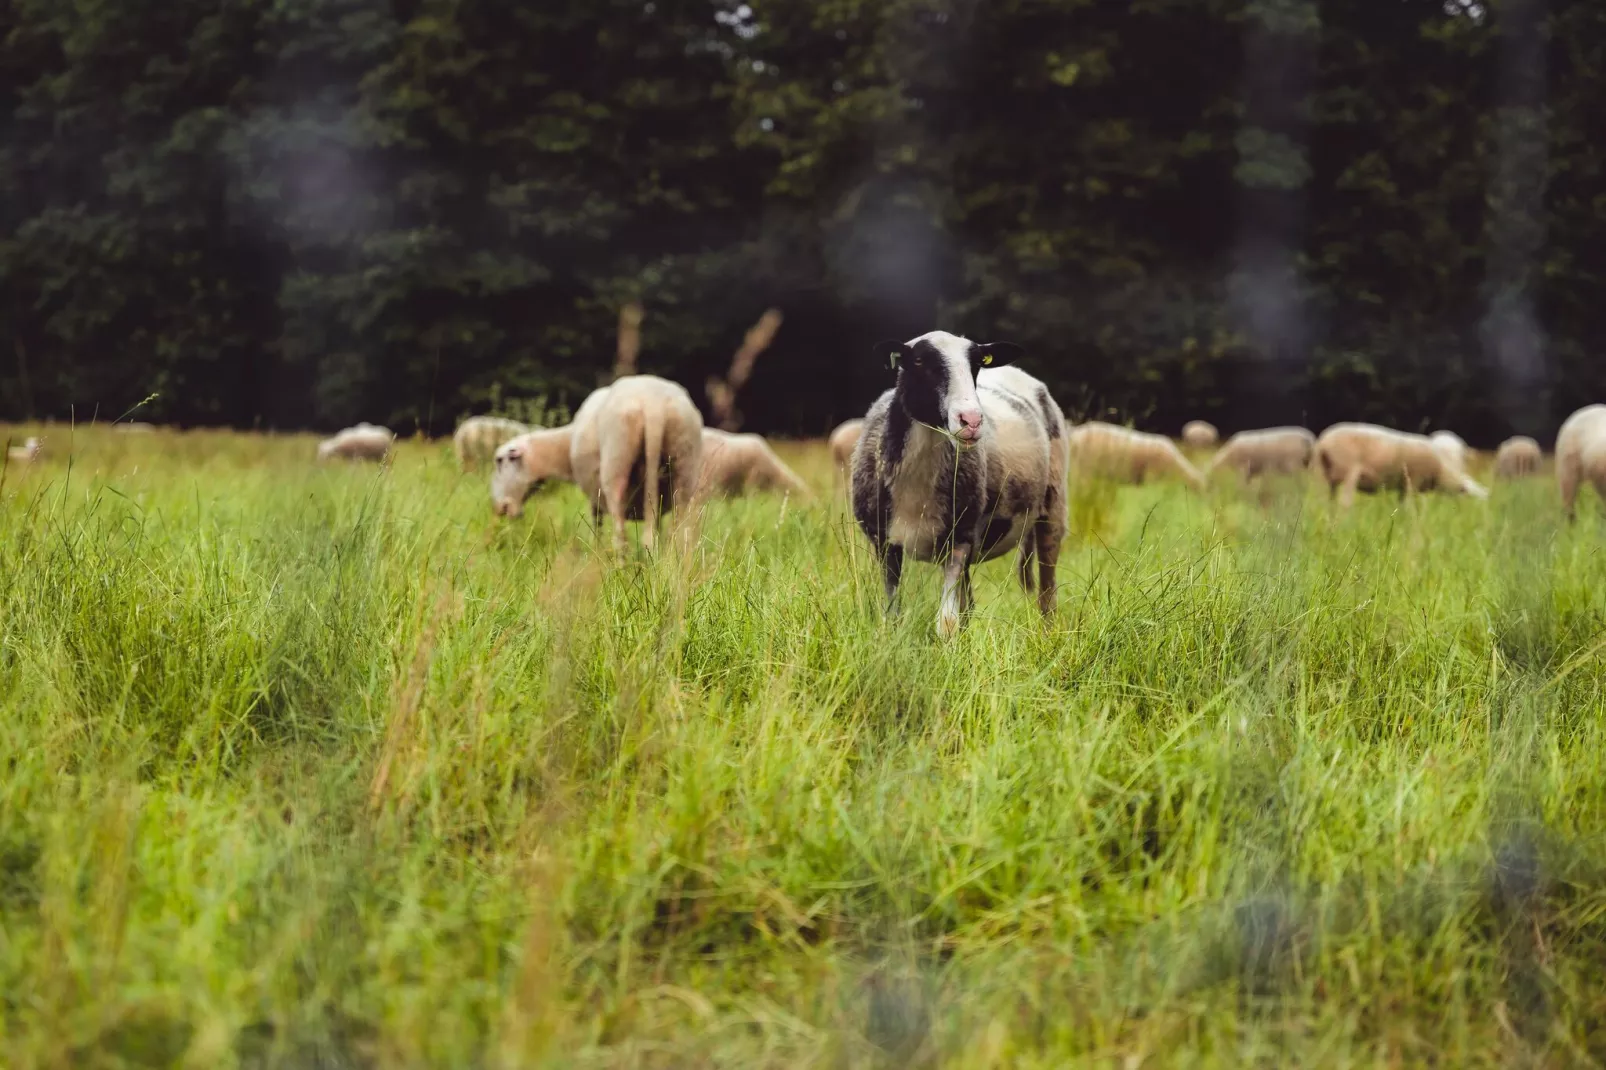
{"points": [[328, 767]]}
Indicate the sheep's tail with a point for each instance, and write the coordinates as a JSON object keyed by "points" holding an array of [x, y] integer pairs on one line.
{"points": [[652, 448]]}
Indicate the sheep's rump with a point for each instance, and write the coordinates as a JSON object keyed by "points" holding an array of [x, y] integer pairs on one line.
{"points": [[1517, 456], [640, 418]]}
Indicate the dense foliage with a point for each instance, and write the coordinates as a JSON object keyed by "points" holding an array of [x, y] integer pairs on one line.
{"points": [[304, 212]]}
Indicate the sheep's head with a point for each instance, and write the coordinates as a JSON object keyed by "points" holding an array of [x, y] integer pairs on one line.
{"points": [[513, 477], [937, 379]]}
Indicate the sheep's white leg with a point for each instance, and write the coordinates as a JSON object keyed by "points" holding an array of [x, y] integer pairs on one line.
{"points": [[955, 592], [1346, 493]]}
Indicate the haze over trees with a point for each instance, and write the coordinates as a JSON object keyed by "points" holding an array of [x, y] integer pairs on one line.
{"points": [[305, 212]]}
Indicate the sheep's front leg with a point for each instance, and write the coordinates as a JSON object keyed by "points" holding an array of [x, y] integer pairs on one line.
{"points": [[891, 573], [955, 592]]}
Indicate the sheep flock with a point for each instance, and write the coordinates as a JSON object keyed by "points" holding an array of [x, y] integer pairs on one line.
{"points": [[966, 458]]}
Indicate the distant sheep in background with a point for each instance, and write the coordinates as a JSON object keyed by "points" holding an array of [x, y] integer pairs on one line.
{"points": [[1127, 456], [1367, 457], [477, 438], [1199, 435], [734, 465], [27, 453], [1517, 456], [1581, 454], [843, 439], [1272, 451], [365, 442]]}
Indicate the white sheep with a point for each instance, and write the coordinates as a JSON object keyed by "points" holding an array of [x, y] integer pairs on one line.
{"points": [[1453, 448], [734, 465], [1367, 457], [365, 442], [1199, 435], [634, 449], [1271, 451], [27, 453], [843, 439], [960, 462], [1581, 454], [477, 437], [1517, 456], [1127, 456]]}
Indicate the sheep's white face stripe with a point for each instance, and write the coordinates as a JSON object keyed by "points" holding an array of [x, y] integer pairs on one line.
{"points": [[960, 396]]}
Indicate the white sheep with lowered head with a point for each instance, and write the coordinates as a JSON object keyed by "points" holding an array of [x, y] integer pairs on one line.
{"points": [[1517, 456], [734, 465], [634, 448], [1199, 435], [843, 438], [476, 438], [1581, 455], [365, 442], [1366, 457], [1269, 451], [1453, 448], [961, 462], [1123, 455]]}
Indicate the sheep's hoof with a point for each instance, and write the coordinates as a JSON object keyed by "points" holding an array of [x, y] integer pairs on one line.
{"points": [[947, 624]]}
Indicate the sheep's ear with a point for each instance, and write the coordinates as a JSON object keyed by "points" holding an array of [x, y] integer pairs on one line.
{"points": [[889, 353], [992, 354]]}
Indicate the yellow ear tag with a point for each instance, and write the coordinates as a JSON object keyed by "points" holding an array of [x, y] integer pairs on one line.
{"points": [[987, 358], [893, 360]]}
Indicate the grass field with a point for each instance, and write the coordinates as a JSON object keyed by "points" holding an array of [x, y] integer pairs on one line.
{"points": [[329, 768]]}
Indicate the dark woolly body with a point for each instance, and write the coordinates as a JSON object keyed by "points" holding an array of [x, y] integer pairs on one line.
{"points": [[957, 500], [973, 498]]}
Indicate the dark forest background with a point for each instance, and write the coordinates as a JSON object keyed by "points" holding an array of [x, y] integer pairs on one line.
{"points": [[301, 213]]}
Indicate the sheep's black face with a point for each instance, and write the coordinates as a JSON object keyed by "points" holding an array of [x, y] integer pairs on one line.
{"points": [[937, 379]]}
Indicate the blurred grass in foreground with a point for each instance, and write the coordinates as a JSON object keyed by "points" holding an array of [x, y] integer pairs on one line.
{"points": [[326, 767]]}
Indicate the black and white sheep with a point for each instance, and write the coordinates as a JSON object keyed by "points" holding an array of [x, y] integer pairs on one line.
{"points": [[961, 462]]}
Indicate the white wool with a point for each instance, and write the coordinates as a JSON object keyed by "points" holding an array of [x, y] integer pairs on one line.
{"points": [[1198, 434], [478, 437], [1126, 456], [1581, 454], [1269, 451], [733, 465], [1366, 457], [1517, 456]]}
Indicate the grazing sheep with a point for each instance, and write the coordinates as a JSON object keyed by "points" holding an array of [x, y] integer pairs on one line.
{"points": [[959, 463], [1581, 454], [634, 449], [26, 453], [477, 437], [1366, 457], [1199, 435], [734, 465], [365, 442], [843, 439], [1517, 456], [1128, 456], [1272, 451], [1452, 448]]}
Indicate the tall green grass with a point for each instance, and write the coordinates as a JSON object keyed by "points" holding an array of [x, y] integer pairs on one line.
{"points": [[328, 767]]}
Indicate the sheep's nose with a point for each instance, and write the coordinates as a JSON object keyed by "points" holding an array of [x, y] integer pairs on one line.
{"points": [[969, 423]]}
